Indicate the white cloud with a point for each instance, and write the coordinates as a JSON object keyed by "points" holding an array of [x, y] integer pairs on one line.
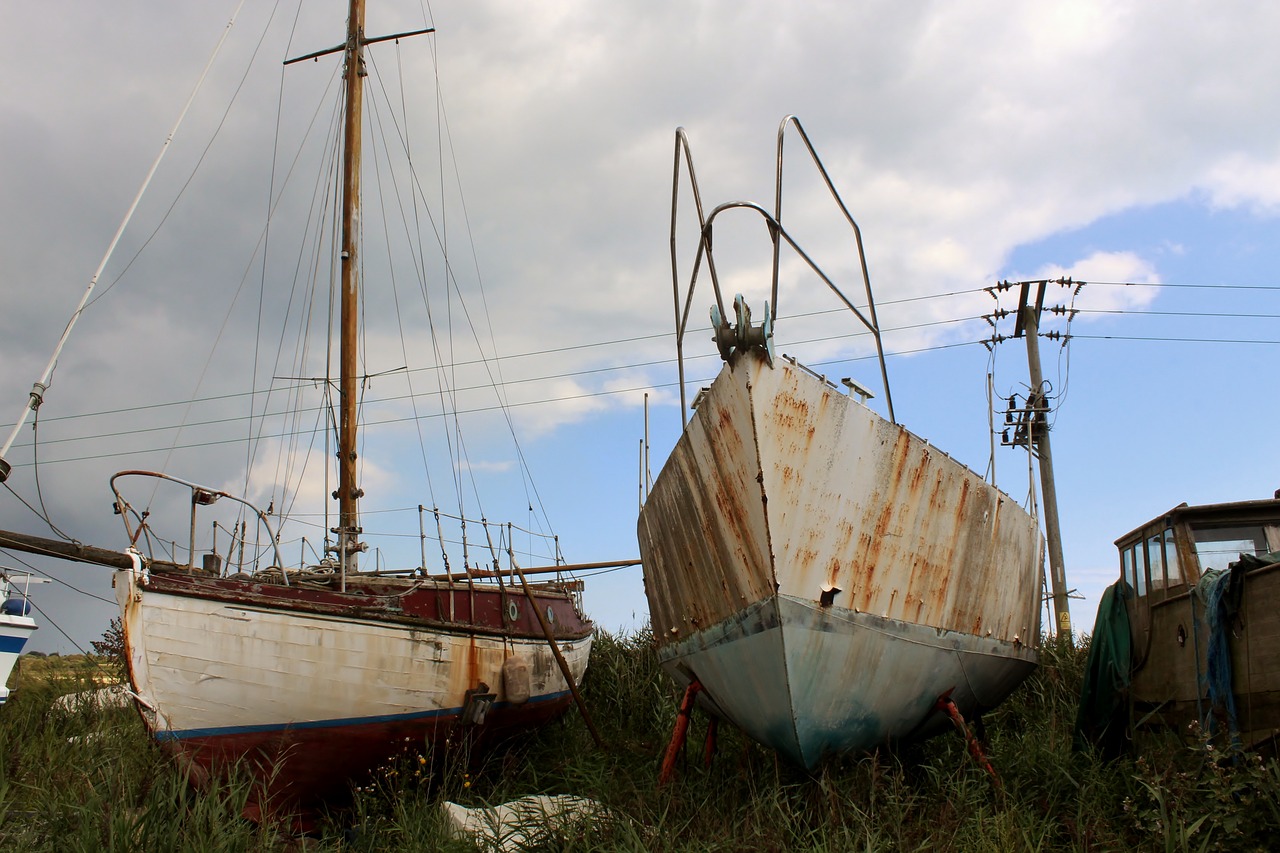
{"points": [[486, 467], [956, 133], [1113, 271], [1242, 180]]}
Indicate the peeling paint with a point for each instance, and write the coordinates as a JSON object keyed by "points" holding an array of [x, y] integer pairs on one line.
{"points": [[782, 484]]}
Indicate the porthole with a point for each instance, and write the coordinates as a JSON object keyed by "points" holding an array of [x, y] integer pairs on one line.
{"points": [[551, 615], [513, 610]]}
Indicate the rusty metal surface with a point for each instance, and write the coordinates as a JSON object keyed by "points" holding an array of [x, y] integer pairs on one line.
{"points": [[703, 532], [781, 483]]}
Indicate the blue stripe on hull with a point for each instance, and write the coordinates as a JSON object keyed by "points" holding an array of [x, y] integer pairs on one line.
{"points": [[226, 731], [12, 645]]}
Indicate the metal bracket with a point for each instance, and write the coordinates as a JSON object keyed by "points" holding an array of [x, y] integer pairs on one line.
{"points": [[731, 338], [476, 705]]}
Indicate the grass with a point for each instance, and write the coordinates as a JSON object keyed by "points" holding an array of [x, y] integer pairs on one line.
{"points": [[91, 779]]}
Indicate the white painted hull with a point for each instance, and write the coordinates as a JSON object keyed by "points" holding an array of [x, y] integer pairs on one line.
{"points": [[878, 555], [207, 667], [14, 633], [318, 695]]}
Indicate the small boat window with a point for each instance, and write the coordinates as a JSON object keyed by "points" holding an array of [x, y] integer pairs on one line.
{"points": [[1218, 547], [1172, 570], [1134, 568], [1155, 558]]}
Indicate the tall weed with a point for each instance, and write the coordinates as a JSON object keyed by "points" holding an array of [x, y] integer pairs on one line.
{"points": [[92, 780]]}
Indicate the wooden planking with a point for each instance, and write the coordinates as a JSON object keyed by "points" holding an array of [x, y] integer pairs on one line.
{"points": [[205, 665]]}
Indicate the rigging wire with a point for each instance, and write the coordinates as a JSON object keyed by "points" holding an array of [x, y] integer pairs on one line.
{"points": [[491, 363], [42, 384], [45, 616], [35, 469], [181, 193], [444, 368], [322, 192], [49, 619], [250, 446], [36, 512], [12, 556], [418, 261]]}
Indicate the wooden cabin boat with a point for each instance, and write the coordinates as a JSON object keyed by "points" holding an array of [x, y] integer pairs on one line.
{"points": [[1193, 626]]}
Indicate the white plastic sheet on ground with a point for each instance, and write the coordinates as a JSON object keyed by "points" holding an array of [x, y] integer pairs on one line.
{"points": [[515, 825]]}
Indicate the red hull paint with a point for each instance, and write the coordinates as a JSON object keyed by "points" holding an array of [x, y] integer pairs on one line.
{"points": [[303, 769]]}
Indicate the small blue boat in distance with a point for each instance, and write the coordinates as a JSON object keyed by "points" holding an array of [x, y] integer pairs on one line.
{"points": [[16, 623]]}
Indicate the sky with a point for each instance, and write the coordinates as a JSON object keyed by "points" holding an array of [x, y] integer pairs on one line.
{"points": [[1132, 146]]}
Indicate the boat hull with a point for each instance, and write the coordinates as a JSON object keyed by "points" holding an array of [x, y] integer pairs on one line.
{"points": [[810, 681], [311, 702], [836, 572], [14, 633]]}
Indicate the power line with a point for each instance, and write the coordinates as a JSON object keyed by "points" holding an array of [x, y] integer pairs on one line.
{"points": [[567, 398], [1172, 340], [661, 335], [529, 380], [1271, 287], [512, 357], [592, 395], [637, 366], [1140, 313]]}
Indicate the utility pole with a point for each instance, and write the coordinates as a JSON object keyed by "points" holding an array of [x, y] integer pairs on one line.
{"points": [[1033, 431], [1040, 437]]}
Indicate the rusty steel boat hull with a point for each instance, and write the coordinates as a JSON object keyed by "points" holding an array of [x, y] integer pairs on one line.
{"points": [[825, 574]]}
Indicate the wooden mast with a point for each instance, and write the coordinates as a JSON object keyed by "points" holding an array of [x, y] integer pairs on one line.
{"points": [[349, 492]]}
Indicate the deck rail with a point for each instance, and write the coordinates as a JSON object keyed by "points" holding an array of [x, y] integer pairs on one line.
{"points": [[778, 235]]}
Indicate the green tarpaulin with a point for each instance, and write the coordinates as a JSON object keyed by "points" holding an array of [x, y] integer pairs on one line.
{"points": [[1103, 718]]}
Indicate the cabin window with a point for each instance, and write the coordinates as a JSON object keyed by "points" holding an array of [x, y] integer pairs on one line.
{"points": [[1135, 568], [1172, 570], [1155, 561], [1218, 547], [1126, 568]]}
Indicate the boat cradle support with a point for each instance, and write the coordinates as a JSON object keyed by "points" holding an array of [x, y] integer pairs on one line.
{"points": [[679, 735]]}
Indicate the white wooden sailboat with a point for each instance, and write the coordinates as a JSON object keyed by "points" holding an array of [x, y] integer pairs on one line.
{"points": [[312, 675], [822, 575]]}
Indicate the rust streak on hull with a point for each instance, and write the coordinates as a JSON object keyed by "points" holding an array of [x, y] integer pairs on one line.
{"points": [[818, 499]]}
